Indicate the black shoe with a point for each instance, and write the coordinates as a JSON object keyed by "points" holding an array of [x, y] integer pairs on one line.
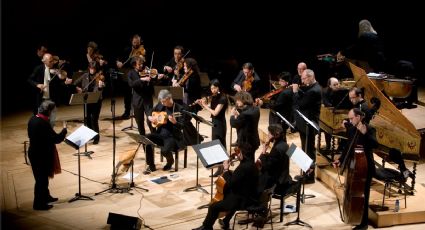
{"points": [[95, 142], [125, 116], [223, 225], [42, 207], [52, 199], [202, 228], [360, 227], [149, 169], [259, 221], [167, 167]]}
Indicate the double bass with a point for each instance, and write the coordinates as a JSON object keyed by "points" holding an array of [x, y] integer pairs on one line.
{"points": [[355, 182]]}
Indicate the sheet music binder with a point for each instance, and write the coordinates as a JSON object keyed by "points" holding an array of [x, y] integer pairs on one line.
{"points": [[211, 154], [78, 98]]}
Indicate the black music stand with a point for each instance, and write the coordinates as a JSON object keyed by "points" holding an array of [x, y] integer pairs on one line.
{"points": [[283, 118], [304, 162], [308, 123], [77, 139], [143, 140], [84, 99], [212, 154], [198, 120]]}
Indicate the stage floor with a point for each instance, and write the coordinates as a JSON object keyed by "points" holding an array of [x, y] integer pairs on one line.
{"points": [[165, 206]]}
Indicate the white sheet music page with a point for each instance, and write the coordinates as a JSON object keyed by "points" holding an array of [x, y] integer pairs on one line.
{"points": [[81, 136], [214, 154], [300, 158]]}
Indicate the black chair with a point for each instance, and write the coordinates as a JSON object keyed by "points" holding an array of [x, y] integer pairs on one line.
{"points": [[261, 211], [176, 159], [283, 191], [391, 177]]}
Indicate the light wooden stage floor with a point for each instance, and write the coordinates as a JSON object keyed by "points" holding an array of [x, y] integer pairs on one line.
{"points": [[165, 206]]}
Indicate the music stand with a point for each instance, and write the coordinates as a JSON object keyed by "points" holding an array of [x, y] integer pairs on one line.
{"points": [[283, 118], [77, 139], [212, 154], [303, 161], [141, 141], [84, 99], [307, 130], [198, 120]]}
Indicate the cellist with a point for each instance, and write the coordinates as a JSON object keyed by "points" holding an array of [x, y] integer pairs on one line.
{"points": [[360, 133]]}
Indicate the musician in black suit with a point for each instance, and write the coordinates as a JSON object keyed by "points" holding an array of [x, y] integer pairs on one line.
{"points": [[192, 84], [247, 75], [245, 117], [356, 97], [240, 190], [142, 94], [360, 133], [308, 100], [168, 134], [47, 84], [43, 154], [173, 69]]}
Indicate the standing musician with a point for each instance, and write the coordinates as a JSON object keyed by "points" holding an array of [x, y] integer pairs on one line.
{"points": [[282, 103], [308, 101], [93, 55], [168, 132], [47, 84], [245, 117], [217, 109], [136, 49], [190, 81], [240, 190], [173, 69], [300, 69], [142, 93], [360, 133], [92, 81], [247, 80]]}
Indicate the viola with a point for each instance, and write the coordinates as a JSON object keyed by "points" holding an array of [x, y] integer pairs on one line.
{"points": [[186, 76], [247, 83], [270, 94]]}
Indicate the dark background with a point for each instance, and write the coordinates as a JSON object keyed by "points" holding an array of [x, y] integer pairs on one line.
{"points": [[221, 35]]}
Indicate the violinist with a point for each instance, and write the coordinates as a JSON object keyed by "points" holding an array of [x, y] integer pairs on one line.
{"points": [[92, 81], [173, 69], [245, 118], [308, 101], [247, 80], [142, 101], [47, 85], [217, 109], [282, 103], [360, 133], [123, 64], [93, 55], [274, 165], [190, 81], [240, 190]]}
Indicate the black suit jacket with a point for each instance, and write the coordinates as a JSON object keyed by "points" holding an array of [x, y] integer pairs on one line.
{"points": [[275, 165], [308, 101], [246, 125], [142, 90]]}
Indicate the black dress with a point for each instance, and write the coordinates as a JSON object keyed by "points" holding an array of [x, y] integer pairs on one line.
{"points": [[220, 126]]}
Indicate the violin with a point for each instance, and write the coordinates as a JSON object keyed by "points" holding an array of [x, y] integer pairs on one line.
{"points": [[270, 94], [148, 72], [247, 83], [186, 76]]}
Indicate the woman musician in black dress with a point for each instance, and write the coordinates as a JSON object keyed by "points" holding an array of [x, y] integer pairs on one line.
{"points": [[218, 115]]}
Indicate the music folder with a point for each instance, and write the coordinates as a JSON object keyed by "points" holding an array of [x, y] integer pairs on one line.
{"points": [[211, 154], [80, 137]]}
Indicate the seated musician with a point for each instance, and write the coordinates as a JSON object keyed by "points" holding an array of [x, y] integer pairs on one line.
{"points": [[247, 80], [168, 134], [245, 118], [362, 134], [274, 166], [240, 190], [282, 103]]}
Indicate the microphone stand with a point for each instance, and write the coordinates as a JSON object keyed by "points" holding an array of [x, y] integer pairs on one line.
{"points": [[198, 120]]}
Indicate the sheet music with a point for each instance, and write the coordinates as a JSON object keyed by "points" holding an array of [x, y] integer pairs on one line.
{"points": [[81, 136], [212, 156], [308, 120], [299, 157]]}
